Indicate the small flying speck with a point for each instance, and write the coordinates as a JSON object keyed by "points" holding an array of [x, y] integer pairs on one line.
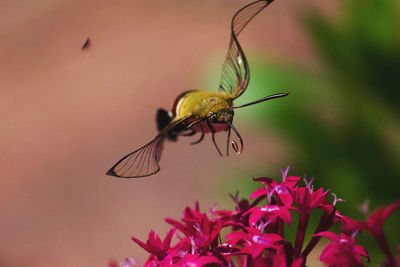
{"points": [[86, 44]]}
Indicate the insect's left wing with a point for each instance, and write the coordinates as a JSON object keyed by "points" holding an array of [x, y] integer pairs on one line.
{"points": [[235, 71], [143, 161]]}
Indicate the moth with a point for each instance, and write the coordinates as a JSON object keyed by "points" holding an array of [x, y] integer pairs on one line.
{"points": [[201, 111]]}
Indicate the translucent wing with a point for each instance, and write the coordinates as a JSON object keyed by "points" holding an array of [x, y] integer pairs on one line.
{"points": [[144, 161], [235, 71]]}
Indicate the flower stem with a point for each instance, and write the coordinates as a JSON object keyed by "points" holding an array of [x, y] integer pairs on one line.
{"points": [[301, 231], [324, 224], [280, 227], [381, 238]]}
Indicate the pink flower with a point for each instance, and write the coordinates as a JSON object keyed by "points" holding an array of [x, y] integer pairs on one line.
{"points": [[113, 264], [190, 218], [256, 232], [327, 219], [307, 199], [279, 259], [348, 224], [129, 262], [342, 251], [374, 224], [281, 191], [200, 232], [269, 213], [155, 246], [189, 260], [253, 241]]}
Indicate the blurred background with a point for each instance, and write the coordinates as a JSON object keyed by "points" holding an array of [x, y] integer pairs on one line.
{"points": [[69, 114]]}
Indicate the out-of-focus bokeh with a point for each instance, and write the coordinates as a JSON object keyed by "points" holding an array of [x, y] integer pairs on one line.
{"points": [[68, 114]]}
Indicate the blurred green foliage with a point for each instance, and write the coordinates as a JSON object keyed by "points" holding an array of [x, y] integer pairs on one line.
{"points": [[341, 119]]}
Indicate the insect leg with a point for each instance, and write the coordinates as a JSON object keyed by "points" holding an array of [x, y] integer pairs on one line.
{"points": [[213, 136], [189, 127], [227, 141], [201, 137], [193, 123], [190, 132]]}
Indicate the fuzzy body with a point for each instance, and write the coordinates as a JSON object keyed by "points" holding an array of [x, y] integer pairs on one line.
{"points": [[201, 103]]}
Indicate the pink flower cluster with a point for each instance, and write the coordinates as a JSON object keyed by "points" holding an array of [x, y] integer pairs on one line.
{"points": [[256, 231]]}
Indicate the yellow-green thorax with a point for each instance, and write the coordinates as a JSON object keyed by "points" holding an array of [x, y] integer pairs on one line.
{"points": [[201, 103]]}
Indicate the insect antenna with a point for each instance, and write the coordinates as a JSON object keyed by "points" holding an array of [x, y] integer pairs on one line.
{"points": [[235, 146], [260, 100]]}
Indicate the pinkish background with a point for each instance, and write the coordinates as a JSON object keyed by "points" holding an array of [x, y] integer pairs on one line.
{"points": [[67, 115]]}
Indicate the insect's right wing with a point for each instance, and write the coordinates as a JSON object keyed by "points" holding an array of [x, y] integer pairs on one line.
{"points": [[235, 71], [144, 161]]}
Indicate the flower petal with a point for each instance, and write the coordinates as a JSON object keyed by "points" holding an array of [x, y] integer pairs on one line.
{"points": [[167, 239], [332, 236], [258, 192]]}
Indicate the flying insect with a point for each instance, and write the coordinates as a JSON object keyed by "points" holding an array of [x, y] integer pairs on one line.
{"points": [[200, 111]]}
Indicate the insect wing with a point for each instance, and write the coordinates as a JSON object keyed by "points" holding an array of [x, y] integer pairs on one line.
{"points": [[145, 160], [235, 71], [140, 163]]}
